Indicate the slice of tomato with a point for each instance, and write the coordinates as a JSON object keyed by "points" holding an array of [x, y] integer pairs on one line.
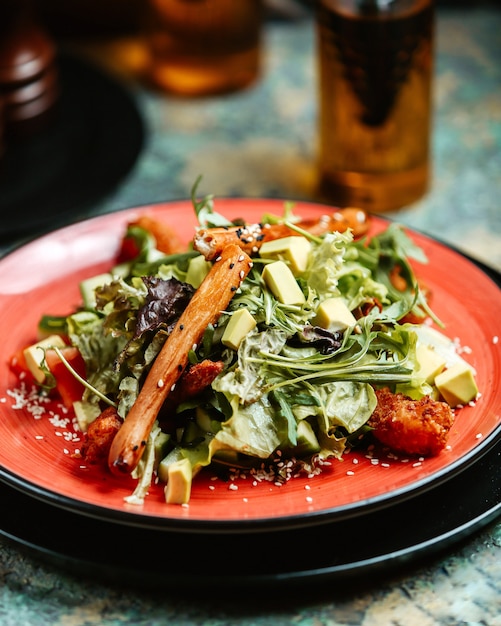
{"points": [[68, 387], [18, 366], [129, 249]]}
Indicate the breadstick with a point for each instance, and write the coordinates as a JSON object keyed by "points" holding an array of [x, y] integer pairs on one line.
{"points": [[210, 241], [205, 307]]}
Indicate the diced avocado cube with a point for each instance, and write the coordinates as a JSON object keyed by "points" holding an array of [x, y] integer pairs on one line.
{"points": [[178, 488], [85, 413], [89, 286], [307, 442], [333, 314], [34, 355], [122, 270], [162, 443], [198, 268], [172, 456], [294, 250], [281, 282], [457, 384], [240, 324], [431, 363]]}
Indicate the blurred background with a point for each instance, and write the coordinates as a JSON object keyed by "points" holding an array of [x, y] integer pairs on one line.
{"points": [[119, 141]]}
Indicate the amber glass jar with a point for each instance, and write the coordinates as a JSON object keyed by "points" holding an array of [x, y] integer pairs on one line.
{"points": [[375, 81], [203, 47]]}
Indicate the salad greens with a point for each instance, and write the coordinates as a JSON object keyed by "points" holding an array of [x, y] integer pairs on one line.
{"points": [[292, 388]]}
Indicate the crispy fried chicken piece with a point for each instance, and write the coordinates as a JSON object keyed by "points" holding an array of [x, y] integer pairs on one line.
{"points": [[193, 381], [166, 237], [99, 436], [417, 427]]}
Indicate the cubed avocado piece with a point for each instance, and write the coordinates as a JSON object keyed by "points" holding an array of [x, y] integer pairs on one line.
{"points": [[161, 445], [333, 314], [457, 384], [89, 286], [198, 268], [431, 363], [178, 488], [293, 250], [34, 355], [85, 414], [122, 270], [307, 442], [281, 282], [240, 324]]}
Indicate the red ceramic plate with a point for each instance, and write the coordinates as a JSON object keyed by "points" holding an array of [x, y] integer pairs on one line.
{"points": [[38, 446]]}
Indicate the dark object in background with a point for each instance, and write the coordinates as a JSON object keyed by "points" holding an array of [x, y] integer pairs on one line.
{"points": [[92, 144], [29, 86]]}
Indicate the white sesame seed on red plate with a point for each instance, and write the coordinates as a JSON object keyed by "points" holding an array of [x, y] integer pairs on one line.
{"points": [[350, 473], [495, 339]]}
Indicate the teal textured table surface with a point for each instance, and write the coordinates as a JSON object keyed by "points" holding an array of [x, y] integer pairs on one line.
{"points": [[261, 142]]}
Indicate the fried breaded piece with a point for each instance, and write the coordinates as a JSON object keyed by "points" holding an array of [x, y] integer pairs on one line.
{"points": [[193, 381], [417, 427], [166, 237], [99, 436]]}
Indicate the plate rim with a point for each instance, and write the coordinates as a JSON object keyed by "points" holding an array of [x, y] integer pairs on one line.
{"points": [[345, 511], [441, 536]]}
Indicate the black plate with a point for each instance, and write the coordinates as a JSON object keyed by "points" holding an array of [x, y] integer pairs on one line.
{"points": [[91, 144], [376, 543]]}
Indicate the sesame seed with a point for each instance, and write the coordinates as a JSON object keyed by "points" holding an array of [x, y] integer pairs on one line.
{"points": [[194, 347], [478, 436], [212, 488], [309, 499], [218, 258], [160, 383], [307, 487], [495, 339], [418, 464], [173, 387], [241, 258], [242, 274], [233, 487], [350, 473], [245, 499]]}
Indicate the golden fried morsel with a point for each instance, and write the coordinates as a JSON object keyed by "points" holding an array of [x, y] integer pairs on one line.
{"points": [[99, 436], [417, 427]]}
